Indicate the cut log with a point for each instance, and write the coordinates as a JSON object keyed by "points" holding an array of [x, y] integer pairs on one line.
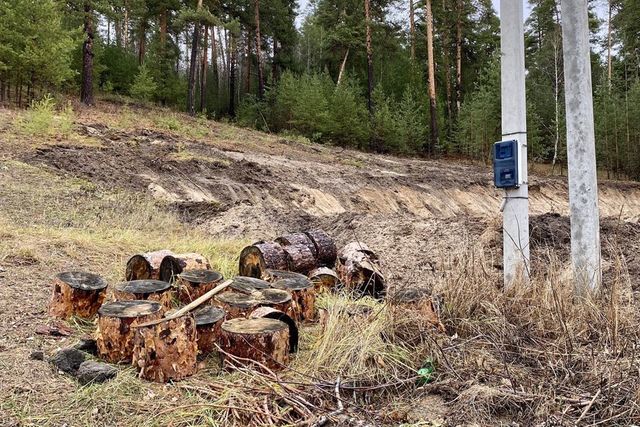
{"points": [[300, 258], [166, 351], [145, 266], [275, 298], [116, 321], [194, 283], [419, 302], [298, 239], [264, 340], [144, 290], [172, 265], [271, 275], [359, 270], [272, 313], [255, 259], [324, 279], [303, 298], [77, 293], [236, 304], [208, 322], [247, 285], [325, 247]]}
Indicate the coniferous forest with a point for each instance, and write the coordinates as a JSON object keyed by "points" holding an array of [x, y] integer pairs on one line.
{"points": [[407, 77]]}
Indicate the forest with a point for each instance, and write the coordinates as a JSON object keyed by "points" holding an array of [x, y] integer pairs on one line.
{"points": [[405, 77]]}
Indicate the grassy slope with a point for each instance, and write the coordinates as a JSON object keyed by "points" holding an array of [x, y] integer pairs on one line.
{"points": [[530, 355]]}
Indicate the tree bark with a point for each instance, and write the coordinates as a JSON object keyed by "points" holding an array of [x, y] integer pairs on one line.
{"points": [[192, 66], [609, 42], [203, 70], [77, 293], [172, 265], [324, 279], [259, 51], [447, 67], [142, 41], [144, 290], [367, 16], [275, 73], [263, 340], [459, 58], [86, 91], [412, 31], [257, 258], [432, 80], [209, 320], [232, 75], [342, 67], [125, 24], [193, 284], [247, 83], [146, 265]]}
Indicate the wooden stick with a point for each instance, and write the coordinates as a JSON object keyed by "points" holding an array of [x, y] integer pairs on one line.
{"points": [[187, 308]]}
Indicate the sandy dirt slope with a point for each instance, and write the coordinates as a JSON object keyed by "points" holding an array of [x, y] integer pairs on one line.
{"points": [[415, 213]]}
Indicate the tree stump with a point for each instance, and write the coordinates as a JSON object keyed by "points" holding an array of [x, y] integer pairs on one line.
{"points": [[275, 298], [359, 270], [255, 259], [264, 340], [167, 350], [195, 283], [417, 302], [325, 247], [300, 258], [324, 279], [208, 322], [145, 266], [298, 239], [144, 290], [271, 275], [172, 265], [77, 293], [272, 313], [247, 285], [236, 304], [303, 298], [115, 321]]}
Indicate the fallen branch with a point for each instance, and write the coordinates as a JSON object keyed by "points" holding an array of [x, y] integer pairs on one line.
{"points": [[187, 308]]}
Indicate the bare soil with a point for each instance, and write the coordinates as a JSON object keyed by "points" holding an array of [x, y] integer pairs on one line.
{"points": [[57, 198]]}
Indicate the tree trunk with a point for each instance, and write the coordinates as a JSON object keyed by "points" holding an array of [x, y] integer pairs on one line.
{"points": [[247, 83], [146, 265], [459, 58], [167, 350], [300, 258], [236, 304], [193, 284], [257, 258], [76, 293], [125, 23], [556, 95], [412, 31], [142, 41], [298, 239], [324, 279], [163, 28], [264, 340], [203, 70], [272, 313], [325, 247], [214, 59], [259, 51], [447, 68], [86, 92], [116, 321], [172, 265], [144, 290], [359, 270], [342, 67], [367, 16], [232, 75], [192, 66], [432, 80], [609, 42], [209, 320], [274, 63], [303, 297]]}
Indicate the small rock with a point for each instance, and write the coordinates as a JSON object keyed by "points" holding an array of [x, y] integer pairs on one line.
{"points": [[88, 345], [68, 360], [95, 372], [37, 355]]}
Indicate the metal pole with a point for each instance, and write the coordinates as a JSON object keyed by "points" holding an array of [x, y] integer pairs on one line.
{"points": [[581, 150], [514, 126]]}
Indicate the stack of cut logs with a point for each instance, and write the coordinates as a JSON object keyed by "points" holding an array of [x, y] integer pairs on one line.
{"points": [[173, 306]]}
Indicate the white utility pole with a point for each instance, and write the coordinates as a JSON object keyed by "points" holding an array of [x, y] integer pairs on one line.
{"points": [[515, 223], [581, 147]]}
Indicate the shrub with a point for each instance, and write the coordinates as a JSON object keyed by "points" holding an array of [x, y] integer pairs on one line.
{"points": [[143, 87]]}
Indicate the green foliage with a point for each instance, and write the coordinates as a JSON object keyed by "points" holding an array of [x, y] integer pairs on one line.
{"points": [[35, 49], [43, 119], [143, 87], [120, 68]]}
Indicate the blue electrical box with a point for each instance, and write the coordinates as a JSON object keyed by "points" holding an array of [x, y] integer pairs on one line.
{"points": [[505, 164]]}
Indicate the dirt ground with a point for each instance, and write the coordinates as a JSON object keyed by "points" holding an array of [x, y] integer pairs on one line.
{"points": [[62, 195]]}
